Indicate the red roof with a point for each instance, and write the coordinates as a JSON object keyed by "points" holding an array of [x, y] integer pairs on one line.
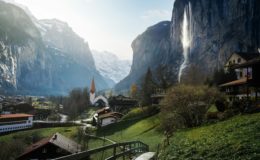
{"points": [[5, 116], [111, 114]]}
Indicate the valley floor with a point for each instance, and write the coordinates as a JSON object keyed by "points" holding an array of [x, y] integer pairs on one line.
{"points": [[237, 138]]}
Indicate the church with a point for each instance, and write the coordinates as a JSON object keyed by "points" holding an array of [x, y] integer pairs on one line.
{"points": [[99, 100]]}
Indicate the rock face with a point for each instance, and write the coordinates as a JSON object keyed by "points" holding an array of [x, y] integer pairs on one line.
{"points": [[216, 28], [150, 49], [42, 57], [110, 66]]}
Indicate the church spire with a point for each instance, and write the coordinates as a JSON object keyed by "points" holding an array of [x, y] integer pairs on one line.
{"points": [[92, 87]]}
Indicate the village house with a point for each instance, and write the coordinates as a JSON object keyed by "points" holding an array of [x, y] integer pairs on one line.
{"points": [[109, 118], [239, 58], [247, 68], [49, 148], [158, 96], [121, 103], [13, 122], [105, 116]]}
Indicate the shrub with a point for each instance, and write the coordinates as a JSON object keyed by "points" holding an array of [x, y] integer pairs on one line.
{"points": [[141, 112], [186, 106], [11, 150]]}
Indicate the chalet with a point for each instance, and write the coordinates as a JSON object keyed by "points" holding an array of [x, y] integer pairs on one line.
{"points": [[120, 103], [109, 118], [247, 68], [158, 95], [239, 58], [13, 122], [49, 148]]}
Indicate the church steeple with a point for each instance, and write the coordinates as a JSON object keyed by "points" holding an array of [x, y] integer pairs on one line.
{"points": [[92, 87]]}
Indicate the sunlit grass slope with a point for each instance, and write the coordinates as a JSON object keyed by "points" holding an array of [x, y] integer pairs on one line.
{"points": [[237, 138]]}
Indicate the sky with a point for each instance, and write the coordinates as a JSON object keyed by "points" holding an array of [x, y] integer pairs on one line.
{"points": [[107, 25]]}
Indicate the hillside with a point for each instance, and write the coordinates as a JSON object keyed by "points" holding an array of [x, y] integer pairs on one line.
{"points": [[237, 138], [143, 130]]}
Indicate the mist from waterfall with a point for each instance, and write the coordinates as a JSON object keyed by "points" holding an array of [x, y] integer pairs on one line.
{"points": [[186, 37]]}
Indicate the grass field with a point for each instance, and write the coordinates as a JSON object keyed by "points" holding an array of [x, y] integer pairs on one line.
{"points": [[237, 138]]}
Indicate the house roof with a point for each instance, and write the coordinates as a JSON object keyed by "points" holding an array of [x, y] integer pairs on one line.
{"points": [[36, 145], [65, 143], [103, 110], [235, 83], [6, 116], [111, 114], [247, 55], [58, 140], [248, 63]]}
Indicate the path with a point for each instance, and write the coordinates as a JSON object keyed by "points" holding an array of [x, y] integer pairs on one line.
{"points": [[146, 156], [64, 118]]}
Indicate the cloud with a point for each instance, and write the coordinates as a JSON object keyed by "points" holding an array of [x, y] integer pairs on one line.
{"points": [[156, 14]]}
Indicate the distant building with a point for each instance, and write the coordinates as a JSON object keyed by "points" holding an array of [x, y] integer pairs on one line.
{"points": [[49, 148], [13, 122], [121, 103], [109, 118], [158, 95], [106, 116]]}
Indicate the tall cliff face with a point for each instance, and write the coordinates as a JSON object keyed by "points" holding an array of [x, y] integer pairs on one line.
{"points": [[150, 50], [42, 57], [212, 31], [217, 28], [21, 50]]}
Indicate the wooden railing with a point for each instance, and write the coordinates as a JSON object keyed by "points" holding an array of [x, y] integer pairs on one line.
{"points": [[119, 150]]}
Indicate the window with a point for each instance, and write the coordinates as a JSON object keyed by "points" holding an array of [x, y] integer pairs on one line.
{"points": [[241, 74], [238, 60]]}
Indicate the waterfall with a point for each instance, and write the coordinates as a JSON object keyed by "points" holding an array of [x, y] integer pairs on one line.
{"points": [[186, 37]]}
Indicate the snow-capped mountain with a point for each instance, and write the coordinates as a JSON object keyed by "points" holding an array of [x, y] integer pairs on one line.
{"points": [[110, 66]]}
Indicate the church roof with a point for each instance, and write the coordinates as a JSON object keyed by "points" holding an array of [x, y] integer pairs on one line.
{"points": [[92, 87]]}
